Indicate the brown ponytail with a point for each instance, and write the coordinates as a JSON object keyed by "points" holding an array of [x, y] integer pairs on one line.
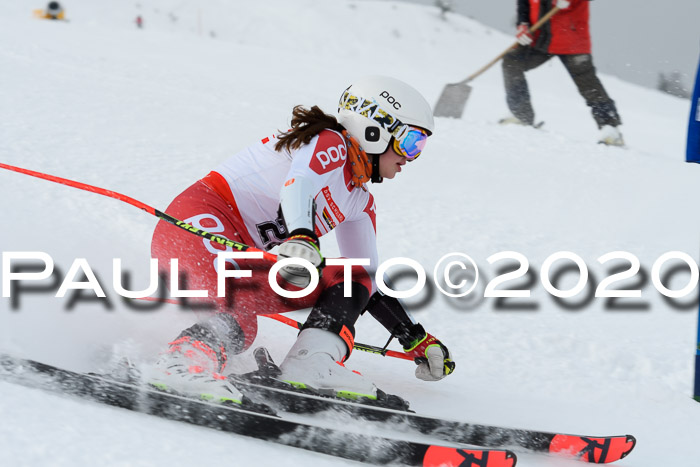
{"points": [[306, 123]]}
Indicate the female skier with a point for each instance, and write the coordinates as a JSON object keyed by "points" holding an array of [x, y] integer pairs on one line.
{"points": [[289, 190]]}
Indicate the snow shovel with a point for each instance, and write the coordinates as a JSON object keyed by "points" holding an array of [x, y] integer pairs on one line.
{"points": [[454, 96]]}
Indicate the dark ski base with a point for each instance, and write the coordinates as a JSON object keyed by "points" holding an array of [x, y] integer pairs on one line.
{"points": [[593, 449], [253, 422]]}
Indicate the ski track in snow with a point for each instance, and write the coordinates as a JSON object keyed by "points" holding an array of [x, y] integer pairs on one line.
{"points": [[147, 112]]}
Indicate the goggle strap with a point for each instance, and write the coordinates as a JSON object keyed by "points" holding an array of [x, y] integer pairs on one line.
{"points": [[372, 110]]}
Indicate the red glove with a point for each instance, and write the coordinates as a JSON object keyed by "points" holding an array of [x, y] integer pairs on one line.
{"points": [[431, 355], [522, 34]]}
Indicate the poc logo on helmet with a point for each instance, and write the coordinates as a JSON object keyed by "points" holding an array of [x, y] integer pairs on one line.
{"points": [[331, 155], [390, 99]]}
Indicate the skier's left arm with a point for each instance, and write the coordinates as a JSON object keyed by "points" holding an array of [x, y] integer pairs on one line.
{"points": [[358, 239], [432, 357]]}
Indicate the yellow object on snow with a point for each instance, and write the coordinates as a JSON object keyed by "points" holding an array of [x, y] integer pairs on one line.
{"points": [[49, 13]]}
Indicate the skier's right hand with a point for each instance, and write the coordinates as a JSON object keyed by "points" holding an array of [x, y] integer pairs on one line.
{"points": [[522, 34], [304, 245], [432, 357]]}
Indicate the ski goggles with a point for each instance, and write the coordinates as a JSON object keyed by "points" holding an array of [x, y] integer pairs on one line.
{"points": [[411, 144]]}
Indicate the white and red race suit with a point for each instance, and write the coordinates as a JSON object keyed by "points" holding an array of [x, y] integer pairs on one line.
{"points": [[240, 200]]}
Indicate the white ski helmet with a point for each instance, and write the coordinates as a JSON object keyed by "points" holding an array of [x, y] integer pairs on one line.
{"points": [[376, 108]]}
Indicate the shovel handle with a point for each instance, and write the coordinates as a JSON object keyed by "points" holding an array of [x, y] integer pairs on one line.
{"points": [[534, 28]]}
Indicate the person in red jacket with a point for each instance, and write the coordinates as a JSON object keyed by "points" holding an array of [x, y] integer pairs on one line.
{"points": [[566, 35]]}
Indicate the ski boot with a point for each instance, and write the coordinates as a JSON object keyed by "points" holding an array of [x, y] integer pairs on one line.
{"points": [[192, 368], [315, 362], [194, 363], [611, 136]]}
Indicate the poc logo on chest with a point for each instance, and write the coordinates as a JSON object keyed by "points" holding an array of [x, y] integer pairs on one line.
{"points": [[390, 99], [331, 156]]}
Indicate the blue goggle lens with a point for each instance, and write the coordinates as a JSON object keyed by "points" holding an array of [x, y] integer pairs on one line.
{"points": [[412, 144]]}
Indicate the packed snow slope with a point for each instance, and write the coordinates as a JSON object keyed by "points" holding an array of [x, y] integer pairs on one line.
{"points": [[147, 112]]}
